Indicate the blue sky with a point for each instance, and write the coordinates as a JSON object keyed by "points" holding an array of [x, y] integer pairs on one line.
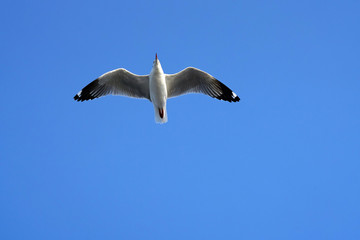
{"points": [[283, 163]]}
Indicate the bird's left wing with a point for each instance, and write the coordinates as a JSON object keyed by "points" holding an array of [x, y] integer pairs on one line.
{"points": [[116, 82], [192, 80]]}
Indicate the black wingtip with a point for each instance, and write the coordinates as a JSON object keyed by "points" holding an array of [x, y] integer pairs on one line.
{"points": [[227, 93], [76, 97], [87, 92], [79, 98]]}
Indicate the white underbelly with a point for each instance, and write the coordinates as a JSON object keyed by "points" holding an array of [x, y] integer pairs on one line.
{"points": [[158, 91]]}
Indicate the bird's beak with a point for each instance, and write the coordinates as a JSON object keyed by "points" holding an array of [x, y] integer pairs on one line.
{"points": [[156, 57]]}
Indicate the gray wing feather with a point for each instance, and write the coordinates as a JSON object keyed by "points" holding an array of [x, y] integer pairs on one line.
{"points": [[116, 82], [192, 80]]}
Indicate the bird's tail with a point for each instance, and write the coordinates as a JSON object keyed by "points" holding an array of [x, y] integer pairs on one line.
{"points": [[160, 115]]}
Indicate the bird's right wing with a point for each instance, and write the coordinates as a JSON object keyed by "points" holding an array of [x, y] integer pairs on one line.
{"points": [[192, 80], [116, 82]]}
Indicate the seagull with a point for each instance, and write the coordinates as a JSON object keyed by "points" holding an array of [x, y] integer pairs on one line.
{"points": [[156, 87]]}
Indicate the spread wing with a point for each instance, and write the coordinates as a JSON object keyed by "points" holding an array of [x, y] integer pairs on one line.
{"points": [[192, 80], [116, 82]]}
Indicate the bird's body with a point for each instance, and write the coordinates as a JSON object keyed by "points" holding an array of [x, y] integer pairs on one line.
{"points": [[158, 92], [156, 87]]}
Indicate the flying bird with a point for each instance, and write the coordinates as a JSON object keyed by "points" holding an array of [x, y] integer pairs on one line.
{"points": [[156, 87]]}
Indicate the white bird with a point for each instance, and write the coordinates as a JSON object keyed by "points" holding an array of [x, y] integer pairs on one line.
{"points": [[156, 87]]}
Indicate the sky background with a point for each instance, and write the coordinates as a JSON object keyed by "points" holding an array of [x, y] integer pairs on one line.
{"points": [[283, 163]]}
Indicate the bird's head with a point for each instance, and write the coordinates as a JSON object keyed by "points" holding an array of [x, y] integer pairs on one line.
{"points": [[156, 60], [156, 63]]}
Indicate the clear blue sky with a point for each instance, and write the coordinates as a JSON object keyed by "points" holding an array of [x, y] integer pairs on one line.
{"points": [[283, 163]]}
